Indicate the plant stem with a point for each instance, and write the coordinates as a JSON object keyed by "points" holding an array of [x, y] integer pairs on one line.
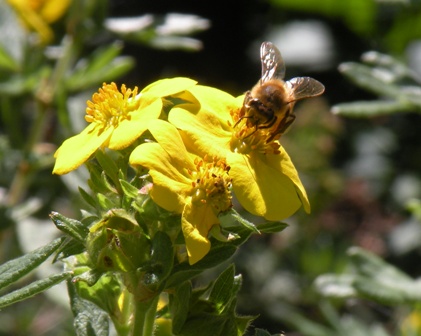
{"points": [[144, 317]]}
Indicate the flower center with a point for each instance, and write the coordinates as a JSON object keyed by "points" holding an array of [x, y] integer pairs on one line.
{"points": [[248, 138], [109, 106], [211, 184]]}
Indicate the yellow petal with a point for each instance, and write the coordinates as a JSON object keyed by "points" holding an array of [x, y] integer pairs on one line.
{"points": [[77, 149], [170, 186], [217, 101], [130, 130], [169, 86], [283, 163], [261, 189], [196, 222], [170, 140], [203, 132]]}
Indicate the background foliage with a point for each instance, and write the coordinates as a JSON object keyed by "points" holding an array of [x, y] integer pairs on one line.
{"points": [[350, 268]]}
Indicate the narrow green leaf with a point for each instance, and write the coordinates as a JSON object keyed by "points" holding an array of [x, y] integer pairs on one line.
{"points": [[370, 79], [69, 248], [180, 306], [336, 286], [372, 266], [103, 56], [366, 109], [386, 294], [243, 322], [88, 198], [71, 227], [33, 289], [105, 202], [261, 332], [114, 69], [243, 221], [95, 182], [184, 271], [272, 227], [108, 165], [99, 63], [6, 61], [17, 268], [222, 289], [397, 68], [162, 257], [128, 189]]}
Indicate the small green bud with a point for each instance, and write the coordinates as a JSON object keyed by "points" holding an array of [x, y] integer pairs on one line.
{"points": [[117, 243]]}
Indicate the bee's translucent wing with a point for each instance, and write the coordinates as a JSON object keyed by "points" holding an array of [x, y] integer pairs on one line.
{"points": [[273, 65], [304, 87]]}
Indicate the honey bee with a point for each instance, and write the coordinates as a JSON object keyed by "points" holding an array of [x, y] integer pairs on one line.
{"points": [[269, 104]]}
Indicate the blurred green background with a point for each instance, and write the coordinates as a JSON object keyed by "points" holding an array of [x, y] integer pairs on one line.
{"points": [[357, 147]]}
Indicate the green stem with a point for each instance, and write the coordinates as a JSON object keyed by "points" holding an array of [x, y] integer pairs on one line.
{"points": [[144, 317]]}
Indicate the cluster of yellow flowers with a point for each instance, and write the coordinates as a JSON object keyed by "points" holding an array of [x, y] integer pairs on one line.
{"points": [[201, 154]]}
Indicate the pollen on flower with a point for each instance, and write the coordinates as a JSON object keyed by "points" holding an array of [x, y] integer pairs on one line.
{"points": [[211, 184], [109, 106], [247, 138]]}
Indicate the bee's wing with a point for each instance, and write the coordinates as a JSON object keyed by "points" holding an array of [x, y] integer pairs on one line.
{"points": [[304, 87], [273, 65]]}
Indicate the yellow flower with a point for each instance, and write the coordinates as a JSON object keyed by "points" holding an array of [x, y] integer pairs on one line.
{"points": [[117, 119], [38, 14], [186, 184], [264, 179]]}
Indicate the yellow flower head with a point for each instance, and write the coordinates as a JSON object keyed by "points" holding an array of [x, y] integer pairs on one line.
{"points": [[198, 188], [116, 119], [38, 14], [264, 179]]}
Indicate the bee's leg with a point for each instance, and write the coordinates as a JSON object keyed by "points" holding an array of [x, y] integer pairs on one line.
{"points": [[244, 108], [282, 127]]}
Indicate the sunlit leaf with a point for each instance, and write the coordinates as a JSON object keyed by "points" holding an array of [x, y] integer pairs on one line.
{"points": [[17, 268], [33, 289]]}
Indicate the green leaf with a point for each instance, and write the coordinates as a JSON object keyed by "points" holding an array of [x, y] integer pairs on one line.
{"points": [[180, 306], [396, 68], [128, 189], [302, 324], [336, 286], [95, 182], [222, 290], [89, 320], [162, 257], [108, 165], [17, 268], [102, 66], [71, 227], [69, 248], [373, 267], [249, 225], [374, 279], [261, 332], [33, 289], [88, 198], [6, 61], [272, 227], [370, 79], [105, 202], [184, 271], [365, 109]]}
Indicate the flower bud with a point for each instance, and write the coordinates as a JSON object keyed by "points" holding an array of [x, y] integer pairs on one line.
{"points": [[117, 243]]}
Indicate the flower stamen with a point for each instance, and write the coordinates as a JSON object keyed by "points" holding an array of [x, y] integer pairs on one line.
{"points": [[109, 106], [211, 184], [247, 138]]}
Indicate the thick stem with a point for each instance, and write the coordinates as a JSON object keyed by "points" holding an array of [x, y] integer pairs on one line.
{"points": [[144, 317]]}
